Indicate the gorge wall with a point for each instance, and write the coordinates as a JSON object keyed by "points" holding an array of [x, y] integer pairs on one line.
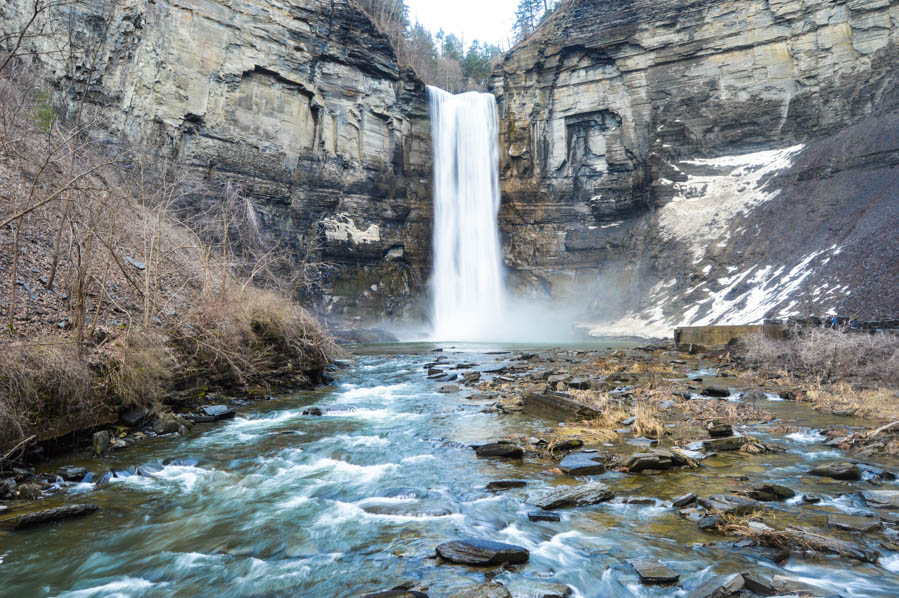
{"points": [[703, 161], [301, 103]]}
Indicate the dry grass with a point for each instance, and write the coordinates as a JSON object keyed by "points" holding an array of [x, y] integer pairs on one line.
{"points": [[140, 367], [647, 422], [877, 403], [828, 355]]}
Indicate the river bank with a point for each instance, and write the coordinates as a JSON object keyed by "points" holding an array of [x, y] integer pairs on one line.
{"points": [[280, 500]]}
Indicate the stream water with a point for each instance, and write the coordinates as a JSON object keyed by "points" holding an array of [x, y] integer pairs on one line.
{"points": [[275, 503]]}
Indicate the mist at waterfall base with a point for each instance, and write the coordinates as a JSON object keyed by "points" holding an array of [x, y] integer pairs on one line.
{"points": [[469, 298]]}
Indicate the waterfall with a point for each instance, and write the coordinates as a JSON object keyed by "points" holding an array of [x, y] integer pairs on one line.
{"points": [[467, 280]]}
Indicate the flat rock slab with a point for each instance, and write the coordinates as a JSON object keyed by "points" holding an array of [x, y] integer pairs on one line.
{"points": [[654, 572], [718, 587], [544, 516], [50, 515], [218, 411], [769, 492], [715, 391], [838, 471], [653, 459], [487, 590], [882, 499], [556, 406], [396, 594], [500, 485], [720, 430], [582, 464], [577, 496], [731, 504], [726, 443], [482, 553], [683, 501], [504, 450], [851, 523], [834, 545]]}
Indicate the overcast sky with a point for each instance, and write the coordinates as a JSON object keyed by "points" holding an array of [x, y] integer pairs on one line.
{"points": [[483, 20]]}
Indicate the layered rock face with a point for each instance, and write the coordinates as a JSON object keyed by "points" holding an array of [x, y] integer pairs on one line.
{"points": [[682, 161], [300, 103]]}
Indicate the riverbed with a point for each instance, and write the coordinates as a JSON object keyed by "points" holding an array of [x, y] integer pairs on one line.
{"points": [[278, 503]]}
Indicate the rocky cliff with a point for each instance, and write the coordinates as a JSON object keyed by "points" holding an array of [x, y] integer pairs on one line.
{"points": [[299, 102], [702, 161]]}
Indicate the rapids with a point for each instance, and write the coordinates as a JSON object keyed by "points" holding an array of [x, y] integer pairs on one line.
{"points": [[274, 503]]}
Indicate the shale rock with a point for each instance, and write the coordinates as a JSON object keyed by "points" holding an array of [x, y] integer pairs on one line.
{"points": [[504, 450], [578, 464], [56, 514], [578, 496], [482, 552], [852, 523], [653, 459], [487, 590], [654, 572], [718, 587], [838, 471]]}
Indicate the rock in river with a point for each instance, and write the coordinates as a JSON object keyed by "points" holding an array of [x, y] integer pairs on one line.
{"points": [[730, 504], [544, 516], [487, 590], [882, 499], [482, 552], [718, 587], [398, 593], [851, 523], [500, 485], [769, 492], [48, 515], [577, 496], [838, 471], [506, 450], [720, 430], [653, 459], [652, 571], [582, 464], [726, 443]]}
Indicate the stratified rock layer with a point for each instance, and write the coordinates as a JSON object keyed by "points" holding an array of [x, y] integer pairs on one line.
{"points": [[719, 160]]}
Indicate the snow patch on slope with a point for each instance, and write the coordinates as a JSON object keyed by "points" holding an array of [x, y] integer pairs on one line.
{"points": [[703, 206]]}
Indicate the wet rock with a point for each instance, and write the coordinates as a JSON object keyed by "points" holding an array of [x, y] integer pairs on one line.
{"points": [[810, 499], [758, 585], [169, 423], [219, 412], [769, 492], [134, 415], [448, 389], [727, 443], [577, 464], [313, 411], [504, 450], [718, 587], [487, 590], [29, 491], [787, 585], [555, 406], [434, 371], [654, 459], [481, 397], [641, 441], [683, 501], [720, 430], [396, 593], [71, 473], [715, 391], [500, 485], [471, 377], [482, 552], [544, 516], [654, 572], [804, 538], [838, 471], [775, 555], [730, 504], [881, 499], [709, 523], [628, 421], [580, 384], [851, 523], [578, 496], [569, 445], [101, 442], [50, 515], [408, 493]]}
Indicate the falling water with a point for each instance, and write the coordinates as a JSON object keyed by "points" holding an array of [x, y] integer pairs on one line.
{"points": [[467, 280]]}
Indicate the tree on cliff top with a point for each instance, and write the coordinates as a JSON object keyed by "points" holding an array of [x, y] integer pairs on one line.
{"points": [[529, 14]]}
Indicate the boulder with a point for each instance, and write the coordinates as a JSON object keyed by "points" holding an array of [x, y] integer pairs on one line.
{"points": [[652, 571], [448, 389], [134, 415], [758, 585], [29, 491], [218, 411], [556, 406], [576, 496], [500, 485], [838, 471], [482, 552], [652, 459], [851, 523], [715, 391], [487, 590], [169, 423], [726, 443], [504, 450], [471, 377], [70, 473], [101, 442], [720, 430], [313, 411], [769, 492], [577, 464], [683, 501], [50, 515], [718, 587]]}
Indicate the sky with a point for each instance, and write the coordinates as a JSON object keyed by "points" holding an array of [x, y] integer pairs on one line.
{"points": [[483, 20]]}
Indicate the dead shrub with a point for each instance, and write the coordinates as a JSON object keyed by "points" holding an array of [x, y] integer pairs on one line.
{"points": [[139, 368], [646, 421]]}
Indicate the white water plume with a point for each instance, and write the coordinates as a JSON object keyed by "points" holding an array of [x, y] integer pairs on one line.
{"points": [[467, 281]]}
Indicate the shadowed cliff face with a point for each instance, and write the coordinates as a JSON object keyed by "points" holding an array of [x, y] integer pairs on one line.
{"points": [[300, 102], [701, 161]]}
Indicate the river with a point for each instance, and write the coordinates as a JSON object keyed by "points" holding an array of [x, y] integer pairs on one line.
{"points": [[275, 503]]}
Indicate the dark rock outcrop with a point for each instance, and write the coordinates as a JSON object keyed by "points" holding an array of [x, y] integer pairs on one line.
{"points": [[482, 552]]}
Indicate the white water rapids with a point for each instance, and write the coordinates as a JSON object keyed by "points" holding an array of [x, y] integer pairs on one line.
{"points": [[467, 280]]}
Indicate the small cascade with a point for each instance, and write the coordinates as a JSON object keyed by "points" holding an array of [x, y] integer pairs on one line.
{"points": [[467, 280]]}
